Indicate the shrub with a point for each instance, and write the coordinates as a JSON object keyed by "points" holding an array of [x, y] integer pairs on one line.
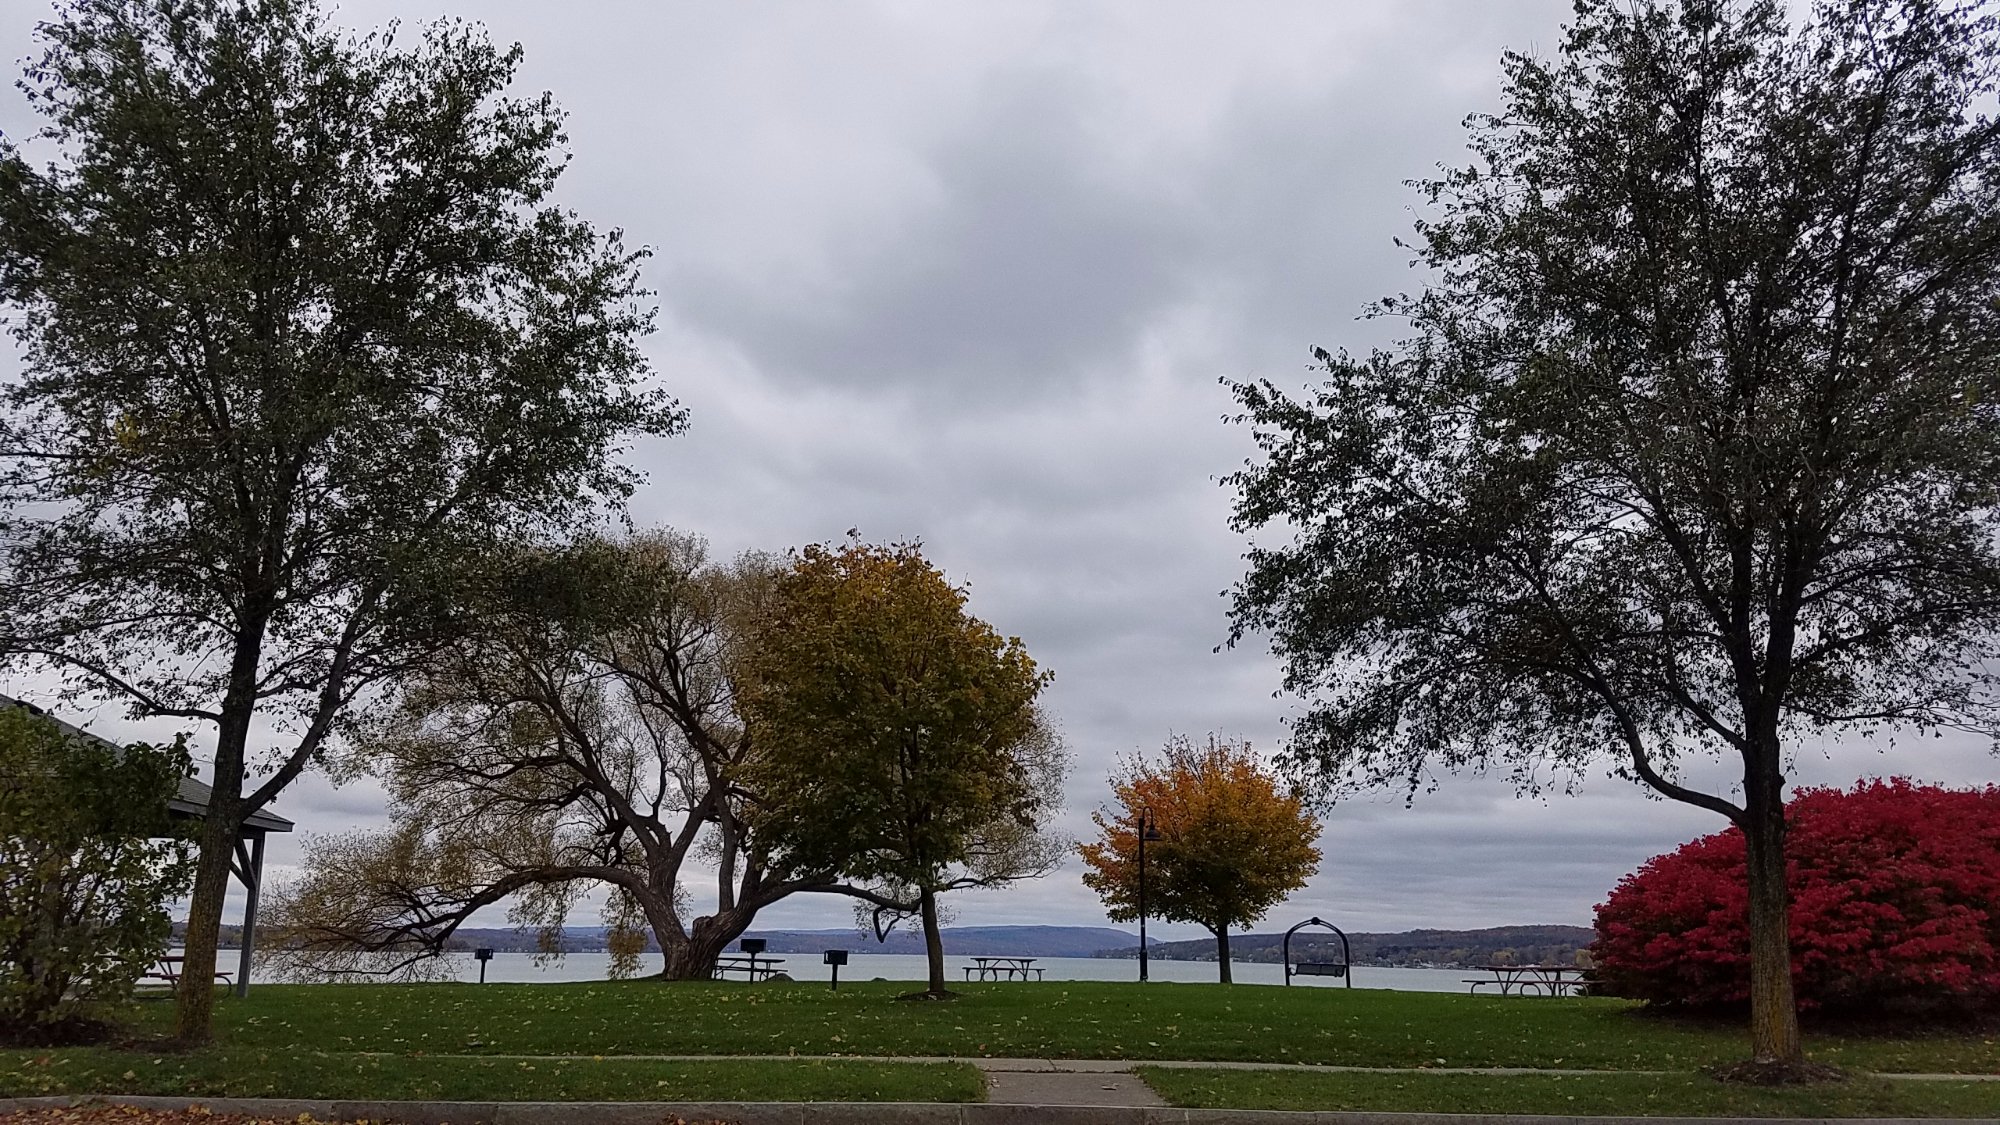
{"points": [[85, 875], [1895, 902]]}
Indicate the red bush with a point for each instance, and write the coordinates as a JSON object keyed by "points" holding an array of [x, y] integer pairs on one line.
{"points": [[1895, 899]]}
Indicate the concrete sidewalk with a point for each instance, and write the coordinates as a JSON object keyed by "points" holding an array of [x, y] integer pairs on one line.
{"points": [[1040, 1082]]}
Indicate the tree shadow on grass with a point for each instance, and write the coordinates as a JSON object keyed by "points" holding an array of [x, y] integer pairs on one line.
{"points": [[77, 1031]]}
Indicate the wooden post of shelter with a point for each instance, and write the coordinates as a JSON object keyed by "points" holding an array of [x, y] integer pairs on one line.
{"points": [[249, 870]]}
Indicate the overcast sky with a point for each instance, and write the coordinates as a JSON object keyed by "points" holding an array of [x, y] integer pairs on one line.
{"points": [[969, 273]]}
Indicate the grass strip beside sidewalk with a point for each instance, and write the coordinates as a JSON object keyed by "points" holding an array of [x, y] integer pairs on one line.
{"points": [[1054, 1019], [286, 1073], [1637, 1095]]}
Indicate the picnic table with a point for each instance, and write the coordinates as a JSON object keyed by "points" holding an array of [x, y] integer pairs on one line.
{"points": [[1002, 968], [167, 967], [1533, 980], [753, 966]]}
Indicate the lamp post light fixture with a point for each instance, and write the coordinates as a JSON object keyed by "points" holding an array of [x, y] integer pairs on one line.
{"points": [[1149, 829]]}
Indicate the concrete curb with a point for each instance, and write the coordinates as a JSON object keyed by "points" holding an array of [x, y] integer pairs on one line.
{"points": [[856, 1113]]}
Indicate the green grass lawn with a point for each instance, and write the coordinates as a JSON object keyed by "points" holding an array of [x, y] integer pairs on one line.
{"points": [[1620, 1094], [1364, 1027], [292, 1073]]}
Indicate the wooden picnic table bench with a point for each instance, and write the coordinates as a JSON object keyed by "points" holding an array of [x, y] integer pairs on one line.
{"points": [[1002, 968], [167, 967], [752, 966], [1531, 980]]}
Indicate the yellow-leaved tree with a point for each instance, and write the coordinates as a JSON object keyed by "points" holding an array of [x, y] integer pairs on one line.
{"points": [[1233, 842], [898, 740]]}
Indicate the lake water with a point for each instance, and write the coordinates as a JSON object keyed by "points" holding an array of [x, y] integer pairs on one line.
{"points": [[521, 968]]}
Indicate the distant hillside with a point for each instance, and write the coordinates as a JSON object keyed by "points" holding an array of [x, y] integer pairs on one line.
{"points": [[1526, 945]]}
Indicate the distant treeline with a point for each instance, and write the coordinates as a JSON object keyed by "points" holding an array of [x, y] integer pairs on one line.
{"points": [[1521, 945]]}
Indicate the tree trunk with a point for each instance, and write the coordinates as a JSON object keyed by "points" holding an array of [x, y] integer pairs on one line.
{"points": [[49, 981], [708, 940], [725, 870], [1774, 1013], [677, 957], [693, 958], [933, 942], [1222, 953], [195, 999]]}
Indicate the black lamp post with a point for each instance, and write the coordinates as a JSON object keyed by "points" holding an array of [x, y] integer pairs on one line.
{"points": [[1149, 829]]}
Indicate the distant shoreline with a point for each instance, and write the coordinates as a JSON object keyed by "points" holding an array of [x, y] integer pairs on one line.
{"points": [[1408, 949]]}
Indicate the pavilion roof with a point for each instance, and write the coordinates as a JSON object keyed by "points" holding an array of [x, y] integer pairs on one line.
{"points": [[192, 800]]}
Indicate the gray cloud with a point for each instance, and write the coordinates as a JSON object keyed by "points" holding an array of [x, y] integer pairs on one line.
{"points": [[1026, 266]]}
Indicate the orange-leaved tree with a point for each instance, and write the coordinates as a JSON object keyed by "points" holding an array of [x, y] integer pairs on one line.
{"points": [[1233, 842]]}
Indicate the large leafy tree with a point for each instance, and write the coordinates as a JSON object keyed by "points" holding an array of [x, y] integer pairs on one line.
{"points": [[304, 336], [89, 860], [1692, 447], [899, 744], [1233, 841], [584, 735]]}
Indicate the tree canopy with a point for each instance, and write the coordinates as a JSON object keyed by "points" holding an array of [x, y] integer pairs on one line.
{"points": [[1233, 841], [1691, 446], [584, 735], [304, 335], [899, 742]]}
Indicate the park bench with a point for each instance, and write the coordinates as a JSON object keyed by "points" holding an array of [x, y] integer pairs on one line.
{"points": [[1341, 970]]}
